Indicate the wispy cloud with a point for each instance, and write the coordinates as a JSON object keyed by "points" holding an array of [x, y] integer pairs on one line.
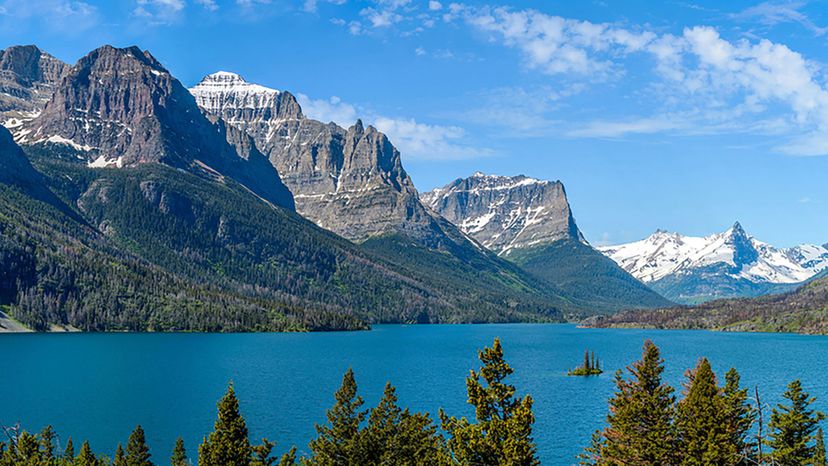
{"points": [[63, 16], [157, 12], [414, 139], [773, 13]]}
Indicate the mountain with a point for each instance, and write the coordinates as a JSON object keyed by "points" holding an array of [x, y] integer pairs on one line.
{"points": [[804, 310], [505, 213], [352, 182], [349, 181], [530, 223], [28, 77], [170, 219], [730, 264], [122, 108]]}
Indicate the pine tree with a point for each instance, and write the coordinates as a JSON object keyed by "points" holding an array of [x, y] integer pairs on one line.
{"points": [[179, 454], [85, 456], [640, 423], [793, 428], [335, 441], [137, 451], [591, 455], [502, 434], [587, 363], [261, 454], [819, 449], [47, 444], [120, 457], [69, 452], [289, 458], [228, 444], [739, 416], [701, 422]]}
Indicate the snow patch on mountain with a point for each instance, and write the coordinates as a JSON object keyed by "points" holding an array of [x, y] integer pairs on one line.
{"points": [[663, 254], [223, 89]]}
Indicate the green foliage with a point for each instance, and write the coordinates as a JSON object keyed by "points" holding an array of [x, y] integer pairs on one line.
{"points": [[640, 423], [794, 427], [502, 433], [137, 451], [739, 416], [179, 454], [85, 456], [120, 457], [228, 444], [590, 366], [701, 421], [819, 449], [336, 443]]}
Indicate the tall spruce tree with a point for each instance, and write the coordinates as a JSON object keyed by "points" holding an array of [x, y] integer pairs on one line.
{"points": [[701, 421], [640, 428], [819, 449], [740, 416], [228, 444], [137, 451], [793, 427], [502, 434], [85, 456], [120, 457], [179, 454], [336, 441], [69, 452], [47, 444]]}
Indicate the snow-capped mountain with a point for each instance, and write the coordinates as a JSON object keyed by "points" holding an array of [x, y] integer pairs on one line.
{"points": [[506, 212], [728, 258]]}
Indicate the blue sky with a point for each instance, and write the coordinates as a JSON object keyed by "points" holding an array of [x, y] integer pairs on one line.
{"points": [[685, 116]]}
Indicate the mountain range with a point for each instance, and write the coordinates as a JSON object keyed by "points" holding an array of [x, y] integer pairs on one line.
{"points": [[129, 202], [730, 264], [530, 223]]}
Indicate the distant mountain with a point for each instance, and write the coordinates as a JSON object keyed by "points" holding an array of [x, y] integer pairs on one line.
{"points": [[349, 181], [28, 77], [352, 182], [122, 108], [690, 269], [530, 223], [804, 310], [167, 218]]}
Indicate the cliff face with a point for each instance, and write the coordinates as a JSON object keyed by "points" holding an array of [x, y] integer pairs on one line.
{"points": [[28, 77], [506, 213], [349, 181], [122, 108]]}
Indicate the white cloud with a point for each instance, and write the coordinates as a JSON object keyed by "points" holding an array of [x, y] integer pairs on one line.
{"points": [[434, 5], [612, 129], [424, 141], [157, 12], [773, 13], [209, 5], [332, 109], [58, 15], [381, 18], [419, 51]]}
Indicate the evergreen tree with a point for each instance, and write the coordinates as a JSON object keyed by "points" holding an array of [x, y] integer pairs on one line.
{"points": [[261, 454], [228, 444], [640, 423], [179, 454], [587, 363], [289, 458], [739, 416], [120, 457], [591, 455], [47, 444], [336, 440], [85, 456], [701, 423], [69, 452], [137, 451], [502, 434], [793, 428], [819, 451]]}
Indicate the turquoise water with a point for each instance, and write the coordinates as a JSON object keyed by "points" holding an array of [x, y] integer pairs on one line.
{"points": [[98, 386]]}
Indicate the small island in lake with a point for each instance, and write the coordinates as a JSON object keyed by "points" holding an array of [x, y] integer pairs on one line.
{"points": [[591, 366]]}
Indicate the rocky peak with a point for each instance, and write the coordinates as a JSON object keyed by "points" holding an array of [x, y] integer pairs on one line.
{"points": [[121, 107], [27, 78], [744, 251], [350, 181], [506, 212]]}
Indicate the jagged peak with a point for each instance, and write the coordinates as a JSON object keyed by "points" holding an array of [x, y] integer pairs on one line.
{"points": [[229, 82]]}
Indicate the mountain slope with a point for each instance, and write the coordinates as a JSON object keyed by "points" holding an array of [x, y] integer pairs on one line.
{"points": [[530, 223], [729, 264], [27, 79], [804, 310], [122, 108]]}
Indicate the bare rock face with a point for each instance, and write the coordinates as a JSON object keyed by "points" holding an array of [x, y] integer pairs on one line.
{"points": [[350, 181], [122, 108], [506, 213], [28, 77]]}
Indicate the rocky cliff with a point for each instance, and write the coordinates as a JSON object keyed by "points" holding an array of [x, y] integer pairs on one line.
{"points": [[122, 108], [28, 77]]}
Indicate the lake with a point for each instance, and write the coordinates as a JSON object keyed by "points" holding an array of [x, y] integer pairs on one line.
{"points": [[99, 386]]}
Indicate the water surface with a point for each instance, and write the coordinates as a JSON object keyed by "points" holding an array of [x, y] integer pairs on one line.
{"points": [[98, 386]]}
